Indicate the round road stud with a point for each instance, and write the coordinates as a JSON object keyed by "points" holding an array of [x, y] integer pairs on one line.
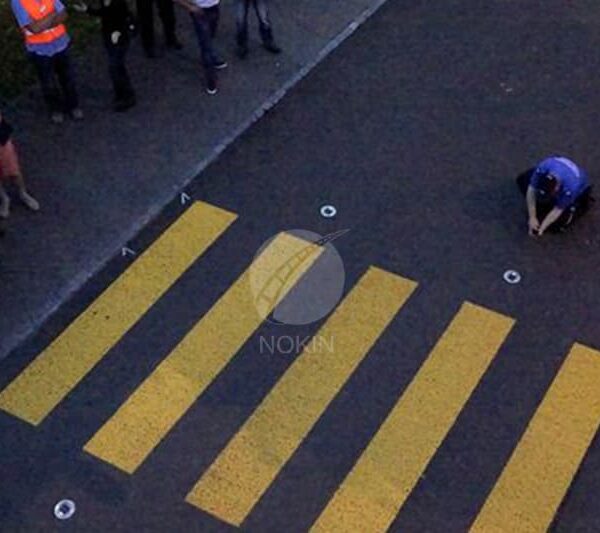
{"points": [[64, 509], [328, 211], [512, 277]]}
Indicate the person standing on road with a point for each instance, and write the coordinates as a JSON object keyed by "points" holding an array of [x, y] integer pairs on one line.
{"points": [[10, 170], [205, 18], [47, 43], [117, 25], [264, 26], [557, 191], [166, 12]]}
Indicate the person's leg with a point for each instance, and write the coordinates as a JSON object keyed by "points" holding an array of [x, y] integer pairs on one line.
{"points": [[9, 162], [45, 72], [146, 22], [202, 29], [264, 24], [571, 214], [242, 7], [4, 199], [214, 16], [66, 78], [124, 96], [166, 12]]}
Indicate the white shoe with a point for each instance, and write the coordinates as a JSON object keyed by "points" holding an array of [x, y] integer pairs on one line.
{"points": [[29, 201]]}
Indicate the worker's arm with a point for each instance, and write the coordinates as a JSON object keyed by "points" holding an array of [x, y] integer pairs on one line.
{"points": [[550, 219], [48, 22], [531, 210], [189, 5]]}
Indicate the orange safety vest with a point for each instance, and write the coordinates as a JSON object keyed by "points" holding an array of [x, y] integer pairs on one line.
{"points": [[37, 10]]}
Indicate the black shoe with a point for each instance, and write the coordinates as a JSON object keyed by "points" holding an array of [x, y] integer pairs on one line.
{"points": [[124, 104], [211, 87], [220, 64], [174, 44], [273, 48], [270, 46], [242, 51]]}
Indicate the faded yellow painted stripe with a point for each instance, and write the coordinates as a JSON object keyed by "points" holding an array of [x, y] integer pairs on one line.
{"points": [[71, 356], [251, 461], [537, 476], [163, 398], [376, 488]]}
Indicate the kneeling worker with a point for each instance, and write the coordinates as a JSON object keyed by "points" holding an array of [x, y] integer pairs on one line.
{"points": [[557, 192]]}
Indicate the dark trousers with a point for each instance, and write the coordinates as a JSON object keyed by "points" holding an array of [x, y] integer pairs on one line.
{"points": [[578, 208], [145, 13], [264, 24], [117, 69], [205, 26], [51, 68]]}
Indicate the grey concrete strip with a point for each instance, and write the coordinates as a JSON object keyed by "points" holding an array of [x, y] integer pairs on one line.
{"points": [[88, 218]]}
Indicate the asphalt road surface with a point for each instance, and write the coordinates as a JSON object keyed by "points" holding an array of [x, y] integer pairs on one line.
{"points": [[254, 364]]}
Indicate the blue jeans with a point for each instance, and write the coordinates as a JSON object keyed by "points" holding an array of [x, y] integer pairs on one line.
{"points": [[205, 26], [264, 24], [57, 66]]}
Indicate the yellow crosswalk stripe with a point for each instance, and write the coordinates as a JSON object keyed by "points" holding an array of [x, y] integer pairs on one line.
{"points": [[71, 356], [251, 461], [163, 398], [376, 488], [537, 476]]}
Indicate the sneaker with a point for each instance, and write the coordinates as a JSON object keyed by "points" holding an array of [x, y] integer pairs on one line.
{"points": [[29, 201], [272, 47], [57, 117], [220, 64], [77, 114], [124, 104], [212, 88]]}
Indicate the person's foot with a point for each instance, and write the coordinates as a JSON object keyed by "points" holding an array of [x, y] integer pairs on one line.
{"points": [[150, 53], [270, 46], [220, 64], [124, 104], [29, 201], [211, 87], [242, 51], [174, 44], [57, 117], [77, 114], [4, 207]]}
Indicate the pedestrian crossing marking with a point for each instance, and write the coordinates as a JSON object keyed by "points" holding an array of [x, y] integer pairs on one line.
{"points": [[253, 458], [537, 476], [387, 471], [163, 398], [72, 355]]}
